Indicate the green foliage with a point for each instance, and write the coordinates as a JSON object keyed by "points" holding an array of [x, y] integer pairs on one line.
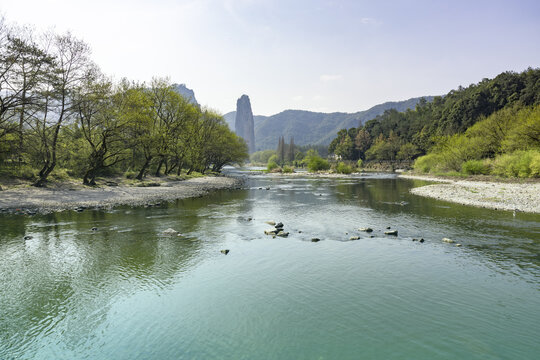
{"points": [[272, 165], [316, 163], [498, 101], [130, 174], [475, 167], [261, 157], [359, 163], [427, 163], [288, 169], [520, 163], [343, 168], [84, 125]]}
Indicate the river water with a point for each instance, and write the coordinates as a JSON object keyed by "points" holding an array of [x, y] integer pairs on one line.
{"points": [[125, 291]]}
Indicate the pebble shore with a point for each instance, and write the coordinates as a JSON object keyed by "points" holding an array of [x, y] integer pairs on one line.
{"points": [[521, 197], [46, 200]]}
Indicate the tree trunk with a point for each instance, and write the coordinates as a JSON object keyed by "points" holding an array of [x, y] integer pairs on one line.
{"points": [[143, 169], [44, 174], [158, 170]]}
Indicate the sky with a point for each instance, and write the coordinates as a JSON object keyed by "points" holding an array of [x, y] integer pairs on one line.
{"points": [[327, 56]]}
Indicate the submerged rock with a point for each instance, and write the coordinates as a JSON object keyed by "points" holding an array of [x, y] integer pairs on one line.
{"points": [[391, 232], [458, 245], [270, 222], [366, 229], [94, 229], [28, 237]]}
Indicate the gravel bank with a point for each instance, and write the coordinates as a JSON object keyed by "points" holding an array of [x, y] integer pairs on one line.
{"points": [[44, 200], [487, 194]]}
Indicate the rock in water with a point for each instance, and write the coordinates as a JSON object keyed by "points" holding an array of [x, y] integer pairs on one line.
{"points": [[170, 231], [354, 238], [226, 251], [447, 240], [366, 229], [244, 122], [391, 232]]}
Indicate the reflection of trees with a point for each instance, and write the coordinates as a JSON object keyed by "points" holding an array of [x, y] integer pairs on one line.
{"points": [[68, 268], [496, 234]]}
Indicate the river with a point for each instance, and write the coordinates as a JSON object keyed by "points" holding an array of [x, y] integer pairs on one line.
{"points": [[126, 291]]}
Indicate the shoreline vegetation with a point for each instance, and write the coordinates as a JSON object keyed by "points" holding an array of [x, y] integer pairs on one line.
{"points": [[30, 200], [61, 117]]}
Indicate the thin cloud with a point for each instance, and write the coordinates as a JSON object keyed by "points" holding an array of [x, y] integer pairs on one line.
{"points": [[327, 77], [369, 21]]}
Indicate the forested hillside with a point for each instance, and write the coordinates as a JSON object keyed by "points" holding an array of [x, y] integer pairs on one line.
{"points": [[61, 116], [504, 109]]}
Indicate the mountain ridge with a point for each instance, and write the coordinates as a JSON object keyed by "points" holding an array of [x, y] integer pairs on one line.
{"points": [[316, 128]]}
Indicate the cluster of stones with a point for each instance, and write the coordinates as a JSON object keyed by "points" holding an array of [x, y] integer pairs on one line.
{"points": [[277, 230]]}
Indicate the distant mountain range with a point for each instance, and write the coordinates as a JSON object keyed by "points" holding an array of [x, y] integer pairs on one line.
{"points": [[307, 127]]}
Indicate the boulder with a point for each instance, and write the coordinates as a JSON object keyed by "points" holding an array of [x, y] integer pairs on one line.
{"points": [[28, 237], [225, 251], [447, 240], [282, 234], [279, 226], [458, 245], [366, 229], [391, 232], [354, 238], [315, 240], [271, 232], [94, 229]]}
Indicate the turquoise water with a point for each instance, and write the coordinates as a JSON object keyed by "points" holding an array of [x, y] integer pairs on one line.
{"points": [[127, 292]]}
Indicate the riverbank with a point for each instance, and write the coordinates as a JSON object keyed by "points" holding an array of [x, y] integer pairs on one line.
{"points": [[518, 196], [71, 196]]}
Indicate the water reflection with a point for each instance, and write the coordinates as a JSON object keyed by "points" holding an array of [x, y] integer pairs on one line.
{"points": [[63, 285]]}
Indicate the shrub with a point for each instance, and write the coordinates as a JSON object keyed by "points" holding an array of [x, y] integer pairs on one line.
{"points": [[343, 168], [288, 169], [26, 172], [518, 164], [475, 167], [427, 163], [317, 163], [130, 174], [271, 165], [359, 163]]}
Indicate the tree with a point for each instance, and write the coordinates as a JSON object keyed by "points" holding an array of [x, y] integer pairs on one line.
{"points": [[71, 67]]}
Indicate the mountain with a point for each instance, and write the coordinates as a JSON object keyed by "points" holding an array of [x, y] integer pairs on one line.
{"points": [[186, 93], [307, 127]]}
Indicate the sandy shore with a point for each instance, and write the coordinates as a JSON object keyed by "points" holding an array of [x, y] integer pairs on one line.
{"points": [[44, 200], [487, 194]]}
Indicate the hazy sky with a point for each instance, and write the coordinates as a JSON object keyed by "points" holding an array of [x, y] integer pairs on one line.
{"points": [[313, 54]]}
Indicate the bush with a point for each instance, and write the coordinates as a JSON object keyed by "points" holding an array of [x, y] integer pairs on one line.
{"points": [[317, 163], [288, 169], [343, 168], [359, 163], [518, 164], [427, 163], [271, 165], [130, 174], [475, 167], [26, 172]]}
